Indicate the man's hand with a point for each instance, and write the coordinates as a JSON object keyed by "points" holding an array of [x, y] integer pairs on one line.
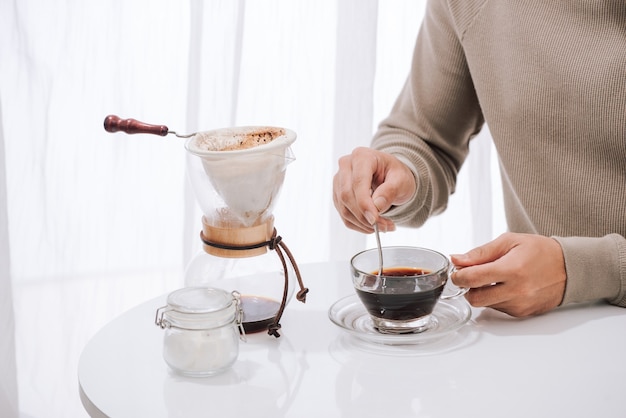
{"points": [[361, 172], [519, 274]]}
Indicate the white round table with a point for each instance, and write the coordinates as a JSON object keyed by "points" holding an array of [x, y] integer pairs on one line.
{"points": [[565, 363]]}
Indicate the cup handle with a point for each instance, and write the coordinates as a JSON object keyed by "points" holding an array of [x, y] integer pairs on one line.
{"points": [[460, 290]]}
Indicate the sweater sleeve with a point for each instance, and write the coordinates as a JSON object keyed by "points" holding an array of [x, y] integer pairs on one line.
{"points": [[434, 117], [596, 269]]}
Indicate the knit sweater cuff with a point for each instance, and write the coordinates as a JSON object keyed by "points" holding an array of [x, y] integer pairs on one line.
{"points": [[596, 269], [416, 210]]}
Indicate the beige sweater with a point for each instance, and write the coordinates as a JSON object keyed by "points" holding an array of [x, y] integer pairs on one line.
{"points": [[549, 78]]}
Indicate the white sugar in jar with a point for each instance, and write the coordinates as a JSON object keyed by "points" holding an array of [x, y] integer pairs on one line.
{"points": [[202, 330]]}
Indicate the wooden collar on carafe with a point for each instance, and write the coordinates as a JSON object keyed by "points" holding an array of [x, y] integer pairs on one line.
{"points": [[240, 237]]}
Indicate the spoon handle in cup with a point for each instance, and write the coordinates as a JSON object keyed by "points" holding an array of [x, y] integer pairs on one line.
{"points": [[380, 250]]}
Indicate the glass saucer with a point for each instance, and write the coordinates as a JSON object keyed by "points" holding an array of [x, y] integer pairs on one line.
{"points": [[350, 315]]}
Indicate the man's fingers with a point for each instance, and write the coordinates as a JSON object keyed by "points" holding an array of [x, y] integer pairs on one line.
{"points": [[367, 184], [479, 275], [353, 188], [486, 253], [526, 278], [489, 295]]}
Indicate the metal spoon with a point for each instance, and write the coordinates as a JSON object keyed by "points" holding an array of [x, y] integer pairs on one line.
{"points": [[114, 123], [380, 251]]}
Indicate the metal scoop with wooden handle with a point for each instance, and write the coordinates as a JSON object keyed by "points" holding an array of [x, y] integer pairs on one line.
{"points": [[114, 123]]}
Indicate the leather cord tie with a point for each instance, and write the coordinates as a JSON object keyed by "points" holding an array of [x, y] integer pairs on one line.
{"points": [[275, 243]]}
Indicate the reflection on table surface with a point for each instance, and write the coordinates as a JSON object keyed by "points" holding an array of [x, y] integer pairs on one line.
{"points": [[565, 363]]}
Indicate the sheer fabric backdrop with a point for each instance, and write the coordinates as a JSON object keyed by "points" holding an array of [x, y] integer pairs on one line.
{"points": [[92, 223], [8, 376]]}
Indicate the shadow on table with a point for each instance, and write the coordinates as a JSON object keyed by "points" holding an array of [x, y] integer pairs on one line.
{"points": [[554, 322], [263, 382], [399, 381], [458, 340]]}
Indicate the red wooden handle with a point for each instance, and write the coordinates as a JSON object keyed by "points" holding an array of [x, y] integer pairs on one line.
{"points": [[114, 123]]}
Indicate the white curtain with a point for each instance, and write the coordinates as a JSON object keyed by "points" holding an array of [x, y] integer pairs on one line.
{"points": [[93, 223], [8, 375]]}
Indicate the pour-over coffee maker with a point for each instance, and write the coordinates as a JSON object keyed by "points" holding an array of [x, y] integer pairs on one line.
{"points": [[237, 174]]}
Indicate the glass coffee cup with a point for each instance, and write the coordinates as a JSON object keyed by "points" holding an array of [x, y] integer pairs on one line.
{"points": [[401, 300]]}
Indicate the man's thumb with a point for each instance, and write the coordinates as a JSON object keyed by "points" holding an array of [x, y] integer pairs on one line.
{"points": [[486, 253]]}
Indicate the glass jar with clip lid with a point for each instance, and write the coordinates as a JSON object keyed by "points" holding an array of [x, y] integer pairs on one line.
{"points": [[202, 330]]}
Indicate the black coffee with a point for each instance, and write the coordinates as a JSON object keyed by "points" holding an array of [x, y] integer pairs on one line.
{"points": [[400, 306], [258, 313], [402, 271]]}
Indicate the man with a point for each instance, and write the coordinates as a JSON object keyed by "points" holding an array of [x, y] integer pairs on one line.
{"points": [[549, 78]]}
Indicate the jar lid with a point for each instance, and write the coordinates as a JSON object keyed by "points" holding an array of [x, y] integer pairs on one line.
{"points": [[200, 308], [199, 300]]}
